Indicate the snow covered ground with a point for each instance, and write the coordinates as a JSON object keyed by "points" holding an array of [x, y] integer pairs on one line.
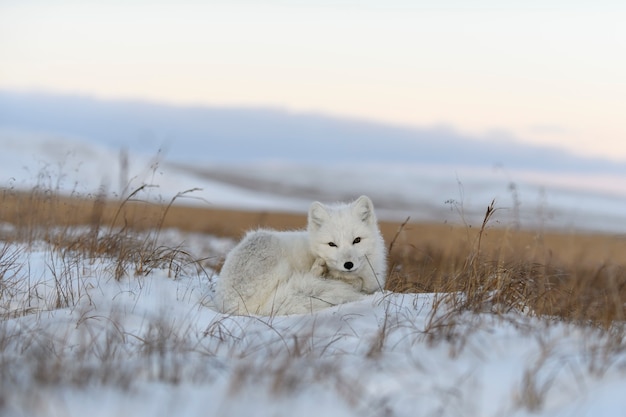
{"points": [[76, 341]]}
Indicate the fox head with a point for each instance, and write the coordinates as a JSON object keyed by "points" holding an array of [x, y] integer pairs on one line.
{"points": [[344, 236]]}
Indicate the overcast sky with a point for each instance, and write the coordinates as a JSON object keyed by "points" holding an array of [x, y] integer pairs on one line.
{"points": [[546, 72]]}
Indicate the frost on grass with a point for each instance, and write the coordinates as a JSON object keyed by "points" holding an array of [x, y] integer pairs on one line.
{"points": [[112, 324]]}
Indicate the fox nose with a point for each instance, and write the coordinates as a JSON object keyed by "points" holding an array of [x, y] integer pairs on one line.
{"points": [[348, 265]]}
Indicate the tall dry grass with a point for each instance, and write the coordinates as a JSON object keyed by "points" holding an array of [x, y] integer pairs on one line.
{"points": [[576, 277]]}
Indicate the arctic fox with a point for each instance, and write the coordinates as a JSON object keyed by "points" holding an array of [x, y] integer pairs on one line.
{"points": [[340, 257]]}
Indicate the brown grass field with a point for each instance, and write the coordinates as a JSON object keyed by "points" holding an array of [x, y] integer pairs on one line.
{"points": [[579, 277]]}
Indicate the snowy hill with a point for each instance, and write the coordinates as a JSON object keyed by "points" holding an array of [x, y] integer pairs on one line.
{"points": [[272, 159], [207, 134]]}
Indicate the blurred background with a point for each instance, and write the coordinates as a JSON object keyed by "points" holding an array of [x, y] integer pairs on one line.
{"points": [[432, 108]]}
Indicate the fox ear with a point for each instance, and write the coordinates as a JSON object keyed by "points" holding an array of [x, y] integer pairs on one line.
{"points": [[364, 208], [317, 214]]}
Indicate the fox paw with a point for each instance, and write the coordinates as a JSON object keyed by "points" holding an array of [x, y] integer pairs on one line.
{"points": [[319, 268]]}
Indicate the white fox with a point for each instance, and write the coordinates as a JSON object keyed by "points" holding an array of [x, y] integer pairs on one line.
{"points": [[340, 258]]}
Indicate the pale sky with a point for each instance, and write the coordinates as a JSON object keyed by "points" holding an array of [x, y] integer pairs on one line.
{"points": [[546, 72]]}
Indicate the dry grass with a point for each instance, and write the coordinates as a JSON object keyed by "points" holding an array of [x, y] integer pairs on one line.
{"points": [[578, 277]]}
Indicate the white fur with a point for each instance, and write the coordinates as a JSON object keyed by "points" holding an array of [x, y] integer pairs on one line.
{"points": [[272, 272]]}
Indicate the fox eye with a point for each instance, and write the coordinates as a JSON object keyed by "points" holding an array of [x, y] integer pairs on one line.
{"points": [[332, 244], [357, 240]]}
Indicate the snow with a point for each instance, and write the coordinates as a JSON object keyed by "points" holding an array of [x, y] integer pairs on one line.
{"points": [[71, 165], [587, 202], [153, 345]]}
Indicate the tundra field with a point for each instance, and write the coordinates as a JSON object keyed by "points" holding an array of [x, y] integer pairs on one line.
{"points": [[106, 310]]}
